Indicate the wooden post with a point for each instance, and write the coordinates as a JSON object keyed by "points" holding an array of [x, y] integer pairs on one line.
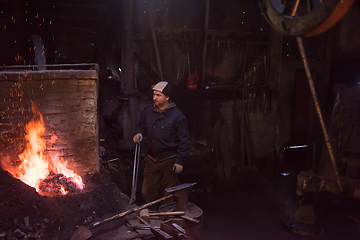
{"points": [[206, 28], [242, 159], [127, 65], [127, 56], [318, 110], [154, 39]]}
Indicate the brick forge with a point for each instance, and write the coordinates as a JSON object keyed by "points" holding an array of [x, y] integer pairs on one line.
{"points": [[66, 97]]}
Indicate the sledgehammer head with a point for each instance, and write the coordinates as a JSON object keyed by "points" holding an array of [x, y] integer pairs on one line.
{"points": [[181, 194]]}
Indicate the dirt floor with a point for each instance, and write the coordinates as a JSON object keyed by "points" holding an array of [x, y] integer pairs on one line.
{"points": [[264, 210], [258, 209], [27, 215]]}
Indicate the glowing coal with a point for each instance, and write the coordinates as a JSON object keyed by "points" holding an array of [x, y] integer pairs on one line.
{"points": [[57, 184], [48, 176]]}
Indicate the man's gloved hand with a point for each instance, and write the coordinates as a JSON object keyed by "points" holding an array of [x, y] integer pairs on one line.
{"points": [[138, 138], [177, 168]]}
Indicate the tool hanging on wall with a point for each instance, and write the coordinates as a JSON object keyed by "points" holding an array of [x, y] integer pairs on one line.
{"points": [[212, 54], [180, 60], [249, 102], [258, 72], [228, 45], [188, 59], [265, 67], [264, 102], [256, 80], [151, 57], [192, 80], [218, 52]]}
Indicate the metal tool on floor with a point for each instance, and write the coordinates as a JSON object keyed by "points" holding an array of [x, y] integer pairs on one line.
{"points": [[174, 230], [160, 234], [135, 174], [137, 227], [83, 233]]}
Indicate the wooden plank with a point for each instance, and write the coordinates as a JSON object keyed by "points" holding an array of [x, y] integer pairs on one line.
{"points": [[28, 75]]}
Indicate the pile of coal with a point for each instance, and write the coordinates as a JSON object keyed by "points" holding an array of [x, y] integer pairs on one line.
{"points": [[58, 184]]}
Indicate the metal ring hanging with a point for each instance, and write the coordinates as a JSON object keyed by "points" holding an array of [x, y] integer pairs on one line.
{"points": [[303, 17]]}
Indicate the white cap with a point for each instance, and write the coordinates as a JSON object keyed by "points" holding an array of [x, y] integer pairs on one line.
{"points": [[163, 87]]}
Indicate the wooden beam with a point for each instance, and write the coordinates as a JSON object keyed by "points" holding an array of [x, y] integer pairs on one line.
{"points": [[154, 39], [127, 58], [206, 27], [216, 32], [98, 5]]}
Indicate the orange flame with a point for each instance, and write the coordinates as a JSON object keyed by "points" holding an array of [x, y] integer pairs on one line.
{"points": [[33, 167], [63, 191]]}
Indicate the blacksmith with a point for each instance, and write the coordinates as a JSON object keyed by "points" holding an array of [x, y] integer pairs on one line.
{"points": [[165, 131]]}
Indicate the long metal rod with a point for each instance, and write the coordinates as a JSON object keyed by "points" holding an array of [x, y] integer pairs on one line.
{"points": [[135, 174], [313, 93], [295, 8]]}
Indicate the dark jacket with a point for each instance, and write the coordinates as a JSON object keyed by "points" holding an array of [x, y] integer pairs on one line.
{"points": [[166, 133]]}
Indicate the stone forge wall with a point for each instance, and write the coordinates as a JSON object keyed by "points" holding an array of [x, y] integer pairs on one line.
{"points": [[67, 100]]}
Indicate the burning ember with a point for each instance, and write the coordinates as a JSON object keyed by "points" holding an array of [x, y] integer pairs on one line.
{"points": [[48, 176]]}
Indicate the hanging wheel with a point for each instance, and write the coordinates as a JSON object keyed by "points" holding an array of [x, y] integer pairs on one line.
{"points": [[304, 17]]}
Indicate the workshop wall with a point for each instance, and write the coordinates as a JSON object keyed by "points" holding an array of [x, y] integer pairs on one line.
{"points": [[238, 48]]}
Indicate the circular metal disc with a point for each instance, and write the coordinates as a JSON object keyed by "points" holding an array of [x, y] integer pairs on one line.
{"points": [[321, 18]]}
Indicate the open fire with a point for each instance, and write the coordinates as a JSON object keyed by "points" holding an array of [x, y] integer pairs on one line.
{"points": [[49, 176]]}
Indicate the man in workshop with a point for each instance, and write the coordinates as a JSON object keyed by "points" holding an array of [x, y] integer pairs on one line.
{"points": [[165, 131]]}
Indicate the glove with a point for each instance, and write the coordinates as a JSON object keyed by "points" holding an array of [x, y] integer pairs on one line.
{"points": [[138, 138], [177, 168]]}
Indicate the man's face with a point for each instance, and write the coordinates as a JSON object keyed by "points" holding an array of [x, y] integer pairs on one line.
{"points": [[159, 98]]}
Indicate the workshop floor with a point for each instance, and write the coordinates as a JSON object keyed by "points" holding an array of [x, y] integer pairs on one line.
{"points": [[259, 209], [264, 210]]}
